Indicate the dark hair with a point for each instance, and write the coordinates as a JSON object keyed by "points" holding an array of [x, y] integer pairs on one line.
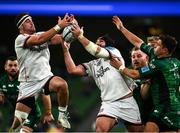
{"points": [[18, 18], [108, 40], [11, 58], [168, 42]]}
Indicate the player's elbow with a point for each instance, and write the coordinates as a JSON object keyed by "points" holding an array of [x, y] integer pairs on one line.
{"points": [[40, 41], [72, 71], [138, 43], [75, 72]]}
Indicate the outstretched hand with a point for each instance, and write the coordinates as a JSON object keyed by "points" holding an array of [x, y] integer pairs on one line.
{"points": [[76, 30], [117, 22], [67, 20], [48, 118]]}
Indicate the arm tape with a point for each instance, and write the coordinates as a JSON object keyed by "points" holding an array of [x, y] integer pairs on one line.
{"points": [[57, 28], [92, 49], [21, 115]]}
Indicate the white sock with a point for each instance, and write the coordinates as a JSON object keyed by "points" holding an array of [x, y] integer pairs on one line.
{"points": [[62, 109]]}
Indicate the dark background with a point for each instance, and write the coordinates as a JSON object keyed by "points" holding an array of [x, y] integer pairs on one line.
{"points": [[93, 27], [84, 97]]}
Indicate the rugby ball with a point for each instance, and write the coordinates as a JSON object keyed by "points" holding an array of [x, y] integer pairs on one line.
{"points": [[68, 35]]}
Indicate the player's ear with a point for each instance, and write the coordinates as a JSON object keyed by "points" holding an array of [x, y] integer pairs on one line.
{"points": [[165, 50], [5, 67]]}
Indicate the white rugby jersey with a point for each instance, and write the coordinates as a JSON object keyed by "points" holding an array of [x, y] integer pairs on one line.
{"points": [[108, 79], [33, 61]]}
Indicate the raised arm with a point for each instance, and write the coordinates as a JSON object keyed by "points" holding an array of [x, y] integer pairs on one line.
{"points": [[70, 65], [46, 36], [136, 41], [124, 70], [91, 47]]}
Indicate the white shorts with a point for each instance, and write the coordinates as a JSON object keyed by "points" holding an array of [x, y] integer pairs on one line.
{"points": [[125, 109], [31, 88]]}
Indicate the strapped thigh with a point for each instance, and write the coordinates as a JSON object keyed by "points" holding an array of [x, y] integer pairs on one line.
{"points": [[29, 101], [46, 86]]}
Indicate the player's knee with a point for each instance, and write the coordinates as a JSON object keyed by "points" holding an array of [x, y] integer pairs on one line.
{"points": [[100, 128], [62, 86]]}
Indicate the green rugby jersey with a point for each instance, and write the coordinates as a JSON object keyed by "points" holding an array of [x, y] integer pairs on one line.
{"points": [[165, 78], [10, 89], [165, 82]]}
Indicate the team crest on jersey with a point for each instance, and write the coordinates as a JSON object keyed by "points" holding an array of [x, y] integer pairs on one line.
{"points": [[10, 85], [152, 66]]}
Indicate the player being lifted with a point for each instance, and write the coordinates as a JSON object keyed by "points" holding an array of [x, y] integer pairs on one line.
{"points": [[116, 90], [35, 72]]}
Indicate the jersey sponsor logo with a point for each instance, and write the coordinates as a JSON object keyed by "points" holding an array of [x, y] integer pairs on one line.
{"points": [[101, 71], [98, 63], [10, 85], [145, 69]]}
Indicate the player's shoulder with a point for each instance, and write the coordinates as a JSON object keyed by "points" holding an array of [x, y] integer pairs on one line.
{"points": [[111, 48], [21, 37], [176, 61], [114, 51]]}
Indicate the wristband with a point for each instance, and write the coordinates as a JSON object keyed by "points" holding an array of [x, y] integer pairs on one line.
{"points": [[121, 68], [57, 28]]}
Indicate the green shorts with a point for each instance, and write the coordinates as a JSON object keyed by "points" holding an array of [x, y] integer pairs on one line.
{"points": [[34, 117], [166, 121]]}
